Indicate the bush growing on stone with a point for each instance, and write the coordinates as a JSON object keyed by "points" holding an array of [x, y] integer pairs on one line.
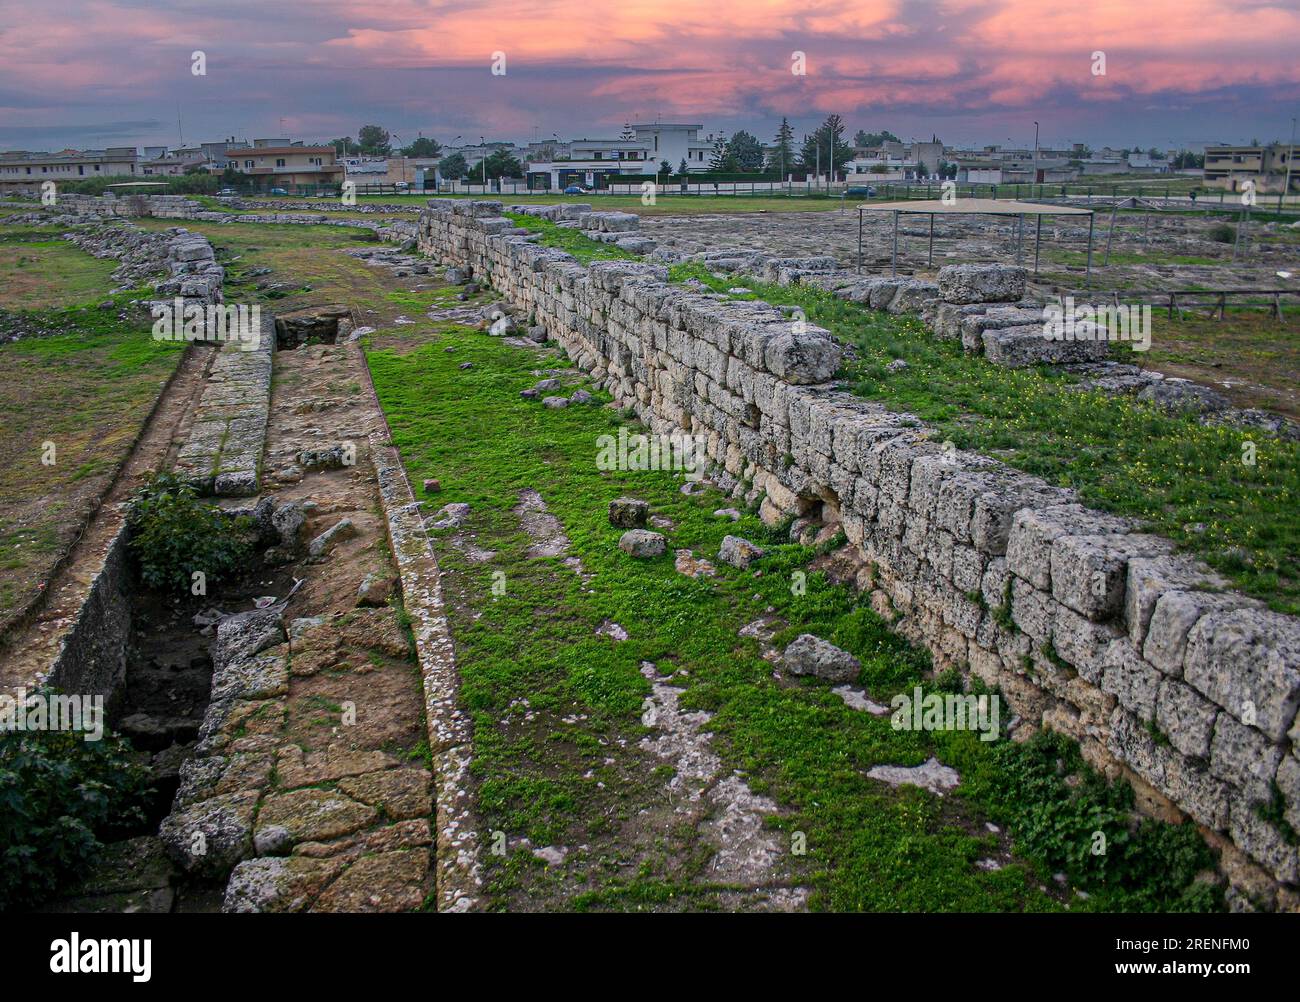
{"points": [[1221, 233], [59, 795], [1053, 803], [174, 535]]}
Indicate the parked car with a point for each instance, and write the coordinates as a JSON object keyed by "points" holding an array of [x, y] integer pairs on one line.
{"points": [[402, 186], [227, 193], [576, 189], [860, 191], [277, 191]]}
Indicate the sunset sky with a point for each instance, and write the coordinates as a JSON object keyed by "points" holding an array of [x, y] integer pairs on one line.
{"points": [[115, 72]]}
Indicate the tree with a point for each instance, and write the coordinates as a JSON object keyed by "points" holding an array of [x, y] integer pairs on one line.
{"points": [[423, 147], [826, 145], [781, 157], [501, 164], [745, 152], [720, 157], [345, 146], [454, 167], [375, 141], [874, 138], [682, 168], [665, 167]]}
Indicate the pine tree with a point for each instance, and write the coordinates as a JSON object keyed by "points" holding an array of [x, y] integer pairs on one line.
{"points": [[719, 156], [781, 157]]}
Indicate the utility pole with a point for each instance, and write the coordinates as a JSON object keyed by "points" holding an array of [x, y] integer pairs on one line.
{"points": [[830, 146], [1035, 177], [484, 149], [1290, 155]]}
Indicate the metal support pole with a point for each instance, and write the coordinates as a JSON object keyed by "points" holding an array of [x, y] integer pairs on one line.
{"points": [[1092, 220], [929, 261], [1038, 240], [893, 260], [859, 241], [1020, 238], [1110, 234]]}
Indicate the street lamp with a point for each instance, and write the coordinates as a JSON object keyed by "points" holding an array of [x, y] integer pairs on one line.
{"points": [[1035, 155]]}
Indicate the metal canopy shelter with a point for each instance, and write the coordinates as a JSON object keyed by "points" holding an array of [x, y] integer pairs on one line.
{"points": [[976, 207]]}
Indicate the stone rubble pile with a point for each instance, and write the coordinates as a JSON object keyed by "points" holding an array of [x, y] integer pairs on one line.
{"points": [[1087, 624]]}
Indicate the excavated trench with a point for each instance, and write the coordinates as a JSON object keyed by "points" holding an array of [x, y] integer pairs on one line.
{"points": [[160, 705], [313, 325]]}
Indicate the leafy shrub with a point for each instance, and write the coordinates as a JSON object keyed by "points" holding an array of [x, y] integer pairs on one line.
{"points": [[1053, 803], [59, 794], [174, 534], [1222, 233]]}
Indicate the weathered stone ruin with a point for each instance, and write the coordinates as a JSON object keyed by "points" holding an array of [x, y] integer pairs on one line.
{"points": [[1087, 624]]}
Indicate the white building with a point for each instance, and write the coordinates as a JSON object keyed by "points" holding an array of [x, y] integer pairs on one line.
{"points": [[675, 143]]}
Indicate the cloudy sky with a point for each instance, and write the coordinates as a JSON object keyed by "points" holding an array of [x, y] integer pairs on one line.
{"points": [[89, 73]]}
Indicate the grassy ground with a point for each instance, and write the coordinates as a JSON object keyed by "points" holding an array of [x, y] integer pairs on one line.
{"points": [[557, 708], [304, 261], [574, 242], [40, 271], [74, 400], [1188, 481]]}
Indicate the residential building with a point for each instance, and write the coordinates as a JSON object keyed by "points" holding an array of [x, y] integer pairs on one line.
{"points": [[1230, 167], [675, 143], [290, 164], [21, 170]]}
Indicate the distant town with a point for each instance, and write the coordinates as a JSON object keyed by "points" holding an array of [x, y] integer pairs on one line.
{"points": [[662, 152]]}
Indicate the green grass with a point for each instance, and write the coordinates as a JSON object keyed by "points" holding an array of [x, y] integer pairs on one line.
{"points": [[870, 847], [1186, 480], [87, 390], [574, 242], [39, 271]]}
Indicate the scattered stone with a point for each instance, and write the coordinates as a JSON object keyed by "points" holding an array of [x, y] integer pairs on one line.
{"points": [[465, 365], [739, 552], [580, 397], [555, 403], [432, 486], [611, 629], [322, 543], [551, 855], [933, 775], [642, 543], [451, 516], [809, 655], [730, 513], [333, 458], [897, 365], [858, 700], [628, 513], [376, 589], [687, 563]]}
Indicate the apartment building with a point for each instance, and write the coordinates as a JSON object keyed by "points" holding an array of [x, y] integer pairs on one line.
{"points": [[23, 171], [275, 166], [1230, 167]]}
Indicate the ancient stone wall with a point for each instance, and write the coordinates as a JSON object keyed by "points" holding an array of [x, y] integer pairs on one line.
{"points": [[1088, 626]]}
